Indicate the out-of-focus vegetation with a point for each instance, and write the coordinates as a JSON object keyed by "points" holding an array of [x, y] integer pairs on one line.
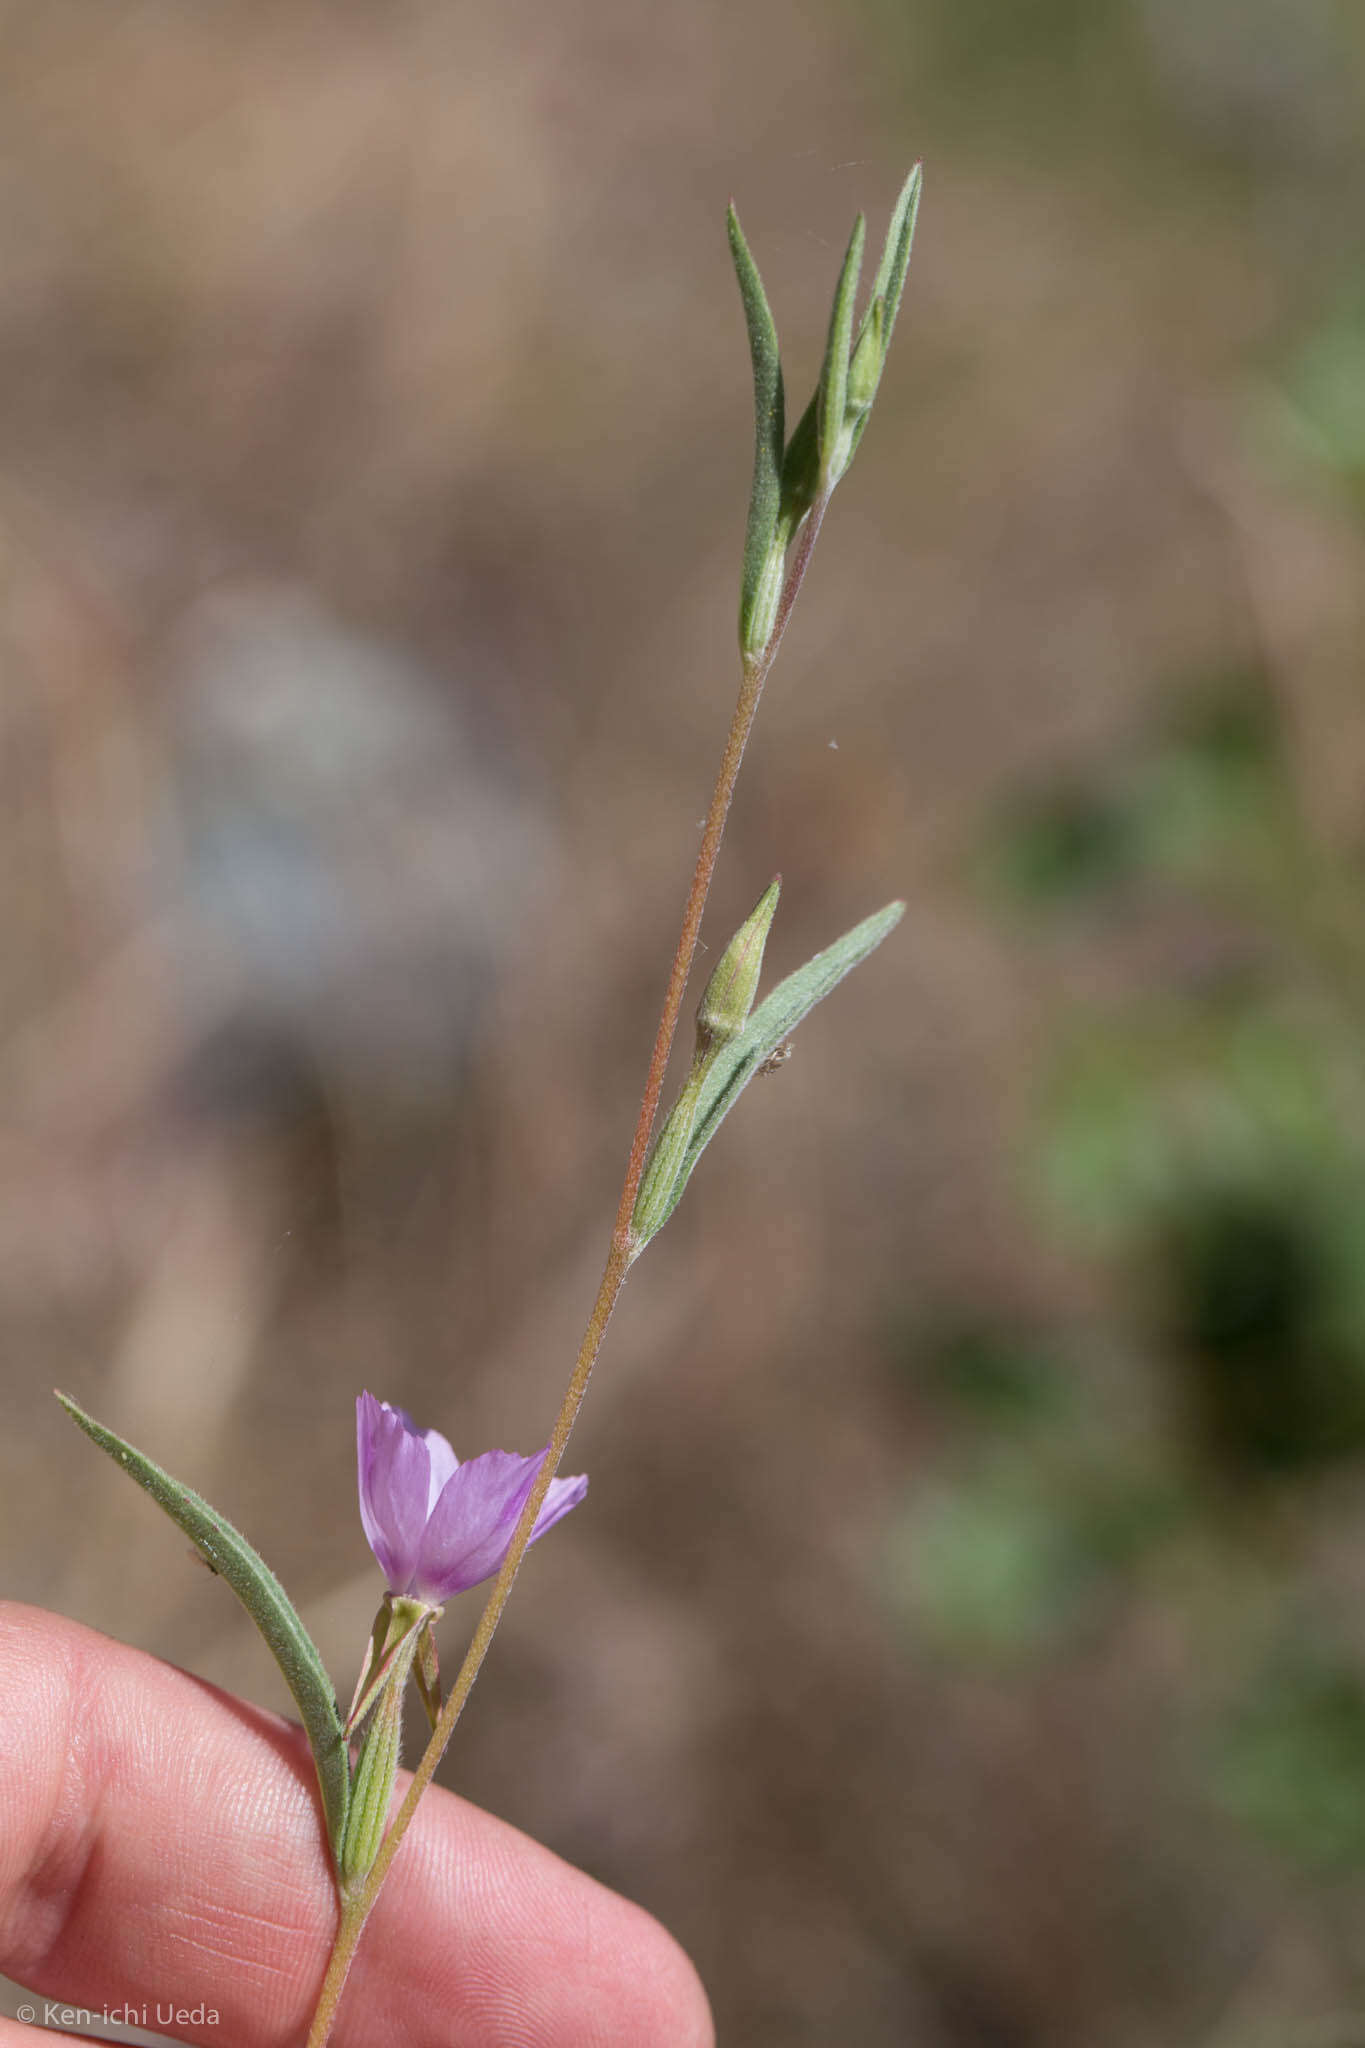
{"points": [[964, 1641]]}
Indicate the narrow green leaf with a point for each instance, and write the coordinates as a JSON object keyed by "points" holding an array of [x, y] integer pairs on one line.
{"points": [[900, 236], [776, 1017], [889, 285], [833, 387], [260, 1592], [769, 435]]}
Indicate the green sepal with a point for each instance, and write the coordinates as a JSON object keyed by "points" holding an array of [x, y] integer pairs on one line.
{"points": [[765, 497], [833, 386], [229, 1554], [776, 1017], [376, 1771], [729, 995], [396, 1620], [427, 1672]]}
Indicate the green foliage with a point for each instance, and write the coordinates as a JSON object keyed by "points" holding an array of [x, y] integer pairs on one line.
{"points": [[982, 38], [716, 1085], [1208, 1138], [832, 392], [758, 592], [1205, 798], [722, 1015], [1213, 1153], [873, 340], [1210, 796], [1182, 1096], [791, 479], [776, 1017], [995, 1373], [228, 1554], [989, 1570], [1023, 1550], [1273, 1373], [1322, 408], [1061, 846], [1289, 1762]]}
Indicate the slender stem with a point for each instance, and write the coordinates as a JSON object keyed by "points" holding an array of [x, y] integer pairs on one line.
{"points": [[351, 1920], [356, 1905], [741, 724]]}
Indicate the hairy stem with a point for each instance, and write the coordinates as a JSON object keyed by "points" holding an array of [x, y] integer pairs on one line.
{"points": [[356, 1906]]}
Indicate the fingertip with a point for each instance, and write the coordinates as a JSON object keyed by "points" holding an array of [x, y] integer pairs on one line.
{"points": [[671, 1999], [533, 1951], [173, 1849]]}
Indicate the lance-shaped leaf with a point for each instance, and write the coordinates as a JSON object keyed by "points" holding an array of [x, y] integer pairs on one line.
{"points": [[900, 235], [776, 1017], [888, 285], [765, 497], [230, 1555], [833, 387]]}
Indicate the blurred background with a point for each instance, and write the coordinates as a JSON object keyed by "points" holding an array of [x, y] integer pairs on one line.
{"points": [[962, 1644]]}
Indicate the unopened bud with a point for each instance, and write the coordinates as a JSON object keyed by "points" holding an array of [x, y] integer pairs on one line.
{"points": [[372, 1789], [865, 369], [729, 995], [398, 1626]]}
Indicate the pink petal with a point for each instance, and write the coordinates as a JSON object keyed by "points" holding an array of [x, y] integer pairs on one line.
{"points": [[443, 1463], [471, 1526], [394, 1470]]}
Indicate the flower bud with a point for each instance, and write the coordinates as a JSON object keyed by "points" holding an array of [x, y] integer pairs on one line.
{"points": [[729, 994], [398, 1627], [865, 369], [372, 1787]]}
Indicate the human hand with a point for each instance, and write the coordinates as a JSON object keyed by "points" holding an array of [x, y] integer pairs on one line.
{"points": [[160, 1847]]}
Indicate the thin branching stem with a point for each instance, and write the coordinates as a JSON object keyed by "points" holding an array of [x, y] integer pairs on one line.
{"points": [[356, 1905]]}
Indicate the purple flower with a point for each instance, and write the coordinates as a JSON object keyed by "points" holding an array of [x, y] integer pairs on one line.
{"points": [[436, 1526]]}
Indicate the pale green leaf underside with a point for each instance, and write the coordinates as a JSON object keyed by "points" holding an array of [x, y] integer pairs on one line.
{"points": [[775, 1018], [260, 1592]]}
